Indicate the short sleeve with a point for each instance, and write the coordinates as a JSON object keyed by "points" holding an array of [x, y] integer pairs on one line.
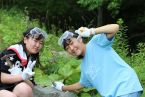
{"points": [[102, 40]]}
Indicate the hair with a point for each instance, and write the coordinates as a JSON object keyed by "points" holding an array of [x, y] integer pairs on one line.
{"points": [[66, 43]]}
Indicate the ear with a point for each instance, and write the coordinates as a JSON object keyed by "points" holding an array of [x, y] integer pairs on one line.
{"points": [[25, 39]]}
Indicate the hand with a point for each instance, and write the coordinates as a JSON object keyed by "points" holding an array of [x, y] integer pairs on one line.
{"points": [[15, 70], [27, 73], [85, 32], [57, 85], [31, 64]]}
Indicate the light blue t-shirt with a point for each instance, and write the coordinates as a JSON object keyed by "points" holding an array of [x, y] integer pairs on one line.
{"points": [[102, 68]]}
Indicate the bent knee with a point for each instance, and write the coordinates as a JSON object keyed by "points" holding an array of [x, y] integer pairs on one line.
{"points": [[23, 89], [6, 93]]}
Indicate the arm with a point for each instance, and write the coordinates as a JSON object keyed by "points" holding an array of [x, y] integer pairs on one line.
{"points": [[60, 86], [10, 79], [72, 87], [110, 30]]}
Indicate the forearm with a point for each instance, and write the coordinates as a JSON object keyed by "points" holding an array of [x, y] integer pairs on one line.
{"points": [[110, 28], [72, 87], [10, 79]]}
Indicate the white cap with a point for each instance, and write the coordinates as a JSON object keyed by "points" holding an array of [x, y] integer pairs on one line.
{"points": [[65, 35]]}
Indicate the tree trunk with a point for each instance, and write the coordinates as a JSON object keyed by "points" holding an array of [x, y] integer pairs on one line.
{"points": [[100, 18]]}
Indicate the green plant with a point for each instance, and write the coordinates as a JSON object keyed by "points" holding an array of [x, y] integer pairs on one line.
{"points": [[57, 64]]}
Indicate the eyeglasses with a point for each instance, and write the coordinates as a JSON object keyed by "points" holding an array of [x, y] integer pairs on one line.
{"points": [[37, 32]]}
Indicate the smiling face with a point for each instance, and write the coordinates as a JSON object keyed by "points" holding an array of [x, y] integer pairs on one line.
{"points": [[33, 45], [75, 47]]}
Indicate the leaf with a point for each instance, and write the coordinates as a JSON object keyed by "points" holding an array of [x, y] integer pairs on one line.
{"points": [[66, 71], [85, 95]]}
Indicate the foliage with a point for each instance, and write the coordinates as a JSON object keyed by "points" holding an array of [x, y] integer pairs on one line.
{"points": [[7, 26], [12, 24], [138, 62], [90, 4], [141, 18], [57, 64], [114, 7], [67, 13], [121, 42], [61, 13]]}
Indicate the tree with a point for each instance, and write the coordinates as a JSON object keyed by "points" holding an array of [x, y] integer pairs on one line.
{"points": [[112, 5]]}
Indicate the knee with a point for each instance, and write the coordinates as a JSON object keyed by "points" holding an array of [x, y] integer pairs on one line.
{"points": [[5, 93], [23, 89], [11, 95]]}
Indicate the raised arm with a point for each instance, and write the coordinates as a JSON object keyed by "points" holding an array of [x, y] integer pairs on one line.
{"points": [[109, 29]]}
